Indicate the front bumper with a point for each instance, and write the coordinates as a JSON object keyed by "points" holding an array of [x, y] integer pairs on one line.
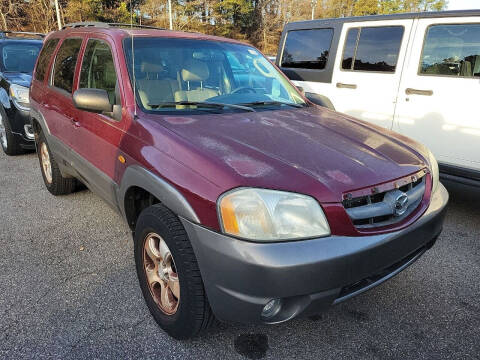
{"points": [[308, 276], [21, 126]]}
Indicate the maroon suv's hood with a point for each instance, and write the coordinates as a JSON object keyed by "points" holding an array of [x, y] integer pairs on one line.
{"points": [[341, 153]]}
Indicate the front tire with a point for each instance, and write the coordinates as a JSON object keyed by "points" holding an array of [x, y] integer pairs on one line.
{"points": [[169, 275], [8, 140], [52, 177]]}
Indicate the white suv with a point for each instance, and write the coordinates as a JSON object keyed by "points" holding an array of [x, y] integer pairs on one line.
{"points": [[418, 74]]}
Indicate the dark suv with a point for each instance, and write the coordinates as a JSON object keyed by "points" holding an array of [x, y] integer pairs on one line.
{"points": [[18, 53], [245, 200]]}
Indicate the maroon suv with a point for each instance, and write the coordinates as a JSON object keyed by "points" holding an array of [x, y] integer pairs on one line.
{"points": [[246, 201]]}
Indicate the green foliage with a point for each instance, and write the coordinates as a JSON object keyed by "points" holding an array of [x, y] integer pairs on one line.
{"points": [[259, 22]]}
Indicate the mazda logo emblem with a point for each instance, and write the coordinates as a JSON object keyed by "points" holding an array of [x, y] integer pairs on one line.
{"points": [[401, 204]]}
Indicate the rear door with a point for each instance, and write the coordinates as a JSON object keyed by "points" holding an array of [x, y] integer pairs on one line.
{"points": [[368, 71], [438, 98], [97, 136], [60, 111]]}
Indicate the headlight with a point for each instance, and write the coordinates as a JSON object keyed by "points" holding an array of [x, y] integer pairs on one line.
{"points": [[270, 215], [20, 96], [434, 172]]}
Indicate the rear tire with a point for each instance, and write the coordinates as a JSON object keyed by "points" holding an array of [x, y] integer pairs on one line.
{"points": [[52, 177], [8, 140], [187, 311]]}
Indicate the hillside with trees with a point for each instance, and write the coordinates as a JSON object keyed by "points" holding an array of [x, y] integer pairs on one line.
{"points": [[258, 22]]}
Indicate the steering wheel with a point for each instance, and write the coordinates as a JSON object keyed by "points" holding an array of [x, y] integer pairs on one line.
{"points": [[243, 90]]}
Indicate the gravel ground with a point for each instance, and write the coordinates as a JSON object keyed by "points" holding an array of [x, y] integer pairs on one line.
{"points": [[68, 289]]}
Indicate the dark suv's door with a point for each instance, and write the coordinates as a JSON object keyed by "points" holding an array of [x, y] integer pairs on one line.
{"points": [[98, 136]]}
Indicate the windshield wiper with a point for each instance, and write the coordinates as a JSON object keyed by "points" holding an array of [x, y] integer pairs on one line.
{"points": [[272, 102], [200, 103]]}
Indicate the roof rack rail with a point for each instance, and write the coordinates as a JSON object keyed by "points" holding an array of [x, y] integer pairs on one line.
{"points": [[5, 33], [107, 25]]}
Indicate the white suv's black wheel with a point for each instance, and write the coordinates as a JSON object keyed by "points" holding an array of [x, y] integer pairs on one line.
{"points": [[8, 141], [52, 177], [168, 274]]}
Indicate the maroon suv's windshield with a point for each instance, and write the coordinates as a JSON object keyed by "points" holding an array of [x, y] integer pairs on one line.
{"points": [[168, 71]]}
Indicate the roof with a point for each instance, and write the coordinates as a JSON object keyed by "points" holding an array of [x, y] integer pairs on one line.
{"points": [[124, 30], [20, 35], [417, 15]]}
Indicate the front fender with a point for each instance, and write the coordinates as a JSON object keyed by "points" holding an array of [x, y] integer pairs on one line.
{"points": [[167, 194], [4, 99]]}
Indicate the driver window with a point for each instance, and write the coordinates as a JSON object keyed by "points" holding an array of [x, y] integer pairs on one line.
{"points": [[98, 69]]}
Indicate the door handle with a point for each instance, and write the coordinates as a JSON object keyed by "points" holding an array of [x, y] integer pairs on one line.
{"points": [[346, 86], [75, 122], [410, 91]]}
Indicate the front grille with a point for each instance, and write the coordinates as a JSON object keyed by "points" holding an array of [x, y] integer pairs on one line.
{"points": [[388, 207]]}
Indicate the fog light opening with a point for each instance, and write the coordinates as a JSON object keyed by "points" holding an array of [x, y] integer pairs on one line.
{"points": [[272, 308]]}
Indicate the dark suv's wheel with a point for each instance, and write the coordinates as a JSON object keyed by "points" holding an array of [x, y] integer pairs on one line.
{"points": [[8, 140], [168, 273], [52, 177]]}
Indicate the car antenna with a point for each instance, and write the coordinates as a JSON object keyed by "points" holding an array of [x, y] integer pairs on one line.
{"points": [[133, 64]]}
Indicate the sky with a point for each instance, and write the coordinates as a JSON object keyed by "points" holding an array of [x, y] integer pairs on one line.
{"points": [[463, 4]]}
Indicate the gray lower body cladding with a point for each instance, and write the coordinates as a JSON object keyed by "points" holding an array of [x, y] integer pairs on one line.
{"points": [[308, 276]]}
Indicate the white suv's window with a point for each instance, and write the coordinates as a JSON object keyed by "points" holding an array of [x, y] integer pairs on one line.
{"points": [[452, 50], [372, 48], [307, 49]]}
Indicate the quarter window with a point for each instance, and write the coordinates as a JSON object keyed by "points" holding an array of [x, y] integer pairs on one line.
{"points": [[98, 69], [307, 49], [452, 50], [44, 58], [372, 49], [65, 62]]}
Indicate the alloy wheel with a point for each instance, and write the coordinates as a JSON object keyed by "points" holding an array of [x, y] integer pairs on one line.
{"points": [[161, 274], [46, 164]]}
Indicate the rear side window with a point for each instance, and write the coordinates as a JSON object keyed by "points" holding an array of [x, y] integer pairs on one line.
{"points": [[372, 48], [65, 62], [98, 68], [452, 50], [44, 58], [307, 49]]}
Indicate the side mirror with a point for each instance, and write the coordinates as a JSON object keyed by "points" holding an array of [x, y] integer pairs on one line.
{"points": [[301, 89], [94, 100]]}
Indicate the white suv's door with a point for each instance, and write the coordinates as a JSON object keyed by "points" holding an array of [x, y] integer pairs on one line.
{"points": [[368, 69], [439, 93]]}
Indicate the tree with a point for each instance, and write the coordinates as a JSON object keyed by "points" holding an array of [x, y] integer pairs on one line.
{"points": [[259, 22]]}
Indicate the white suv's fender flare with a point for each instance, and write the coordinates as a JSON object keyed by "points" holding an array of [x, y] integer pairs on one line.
{"points": [[320, 100]]}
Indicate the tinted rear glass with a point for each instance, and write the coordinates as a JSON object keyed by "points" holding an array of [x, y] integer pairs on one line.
{"points": [[19, 57], [377, 49], [44, 58], [307, 49], [65, 62], [452, 50]]}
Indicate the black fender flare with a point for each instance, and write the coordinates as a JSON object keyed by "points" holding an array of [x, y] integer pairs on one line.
{"points": [[37, 116], [137, 176]]}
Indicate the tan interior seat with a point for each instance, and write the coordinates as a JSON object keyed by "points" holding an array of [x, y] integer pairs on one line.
{"points": [[476, 66], [194, 73], [466, 69], [152, 89]]}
